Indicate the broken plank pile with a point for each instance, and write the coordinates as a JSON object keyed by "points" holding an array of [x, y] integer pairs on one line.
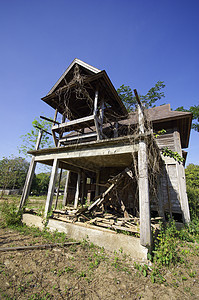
{"points": [[110, 221]]}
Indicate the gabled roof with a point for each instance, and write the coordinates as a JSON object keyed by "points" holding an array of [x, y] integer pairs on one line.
{"points": [[163, 117], [93, 79], [80, 63]]}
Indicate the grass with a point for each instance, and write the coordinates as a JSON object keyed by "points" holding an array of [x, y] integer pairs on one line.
{"points": [[171, 259]]}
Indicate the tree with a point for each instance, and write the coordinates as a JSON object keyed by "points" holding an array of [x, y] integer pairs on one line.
{"points": [[29, 139], [195, 111], [192, 182], [154, 94], [12, 173], [40, 184]]}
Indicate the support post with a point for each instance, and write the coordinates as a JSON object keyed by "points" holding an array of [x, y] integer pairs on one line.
{"points": [[30, 174], [83, 187], [66, 189], [57, 196], [97, 183], [77, 190], [101, 116], [51, 188], [115, 130], [95, 116], [144, 201], [53, 133]]}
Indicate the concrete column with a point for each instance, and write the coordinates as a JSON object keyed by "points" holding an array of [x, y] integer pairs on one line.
{"points": [[51, 188], [77, 190]]}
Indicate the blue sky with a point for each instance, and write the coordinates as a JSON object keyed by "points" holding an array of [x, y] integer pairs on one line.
{"points": [[136, 42]]}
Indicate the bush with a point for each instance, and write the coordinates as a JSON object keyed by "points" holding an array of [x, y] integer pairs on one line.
{"points": [[193, 197], [10, 214]]}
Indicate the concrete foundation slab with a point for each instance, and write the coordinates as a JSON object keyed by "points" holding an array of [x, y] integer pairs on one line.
{"points": [[111, 241]]}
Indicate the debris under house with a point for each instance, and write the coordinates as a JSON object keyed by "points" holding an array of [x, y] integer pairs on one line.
{"points": [[117, 178]]}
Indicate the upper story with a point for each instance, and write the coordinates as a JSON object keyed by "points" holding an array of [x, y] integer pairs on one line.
{"points": [[92, 110]]}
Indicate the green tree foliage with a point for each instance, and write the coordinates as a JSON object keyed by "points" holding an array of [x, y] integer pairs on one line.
{"points": [[154, 94], [29, 139], [13, 172], [40, 184], [195, 111], [192, 181]]}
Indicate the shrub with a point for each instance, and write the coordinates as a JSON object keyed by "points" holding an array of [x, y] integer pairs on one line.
{"points": [[10, 214]]}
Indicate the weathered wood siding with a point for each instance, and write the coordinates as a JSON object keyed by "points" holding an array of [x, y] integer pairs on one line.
{"points": [[172, 182]]}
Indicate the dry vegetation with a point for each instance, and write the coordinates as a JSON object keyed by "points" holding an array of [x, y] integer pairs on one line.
{"points": [[85, 271]]}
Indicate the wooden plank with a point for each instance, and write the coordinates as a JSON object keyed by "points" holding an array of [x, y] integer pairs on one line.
{"points": [[101, 199], [77, 137], [70, 125], [45, 246]]}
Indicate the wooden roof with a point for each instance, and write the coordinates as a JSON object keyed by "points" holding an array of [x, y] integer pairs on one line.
{"points": [[91, 69], [163, 117], [93, 79]]}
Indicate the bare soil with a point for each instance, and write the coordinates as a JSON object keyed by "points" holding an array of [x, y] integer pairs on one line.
{"points": [[84, 272]]}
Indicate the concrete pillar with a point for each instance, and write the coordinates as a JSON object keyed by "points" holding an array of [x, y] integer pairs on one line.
{"points": [[51, 188]]}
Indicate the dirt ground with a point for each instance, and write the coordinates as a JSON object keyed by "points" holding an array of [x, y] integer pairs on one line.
{"points": [[83, 272]]}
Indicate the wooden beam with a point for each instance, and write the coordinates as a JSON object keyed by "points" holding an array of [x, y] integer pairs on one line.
{"points": [[49, 120]]}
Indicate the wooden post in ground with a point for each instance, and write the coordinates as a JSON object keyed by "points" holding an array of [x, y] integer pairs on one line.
{"points": [[51, 188], [143, 183], [66, 189], [30, 174], [83, 187], [77, 190], [57, 196], [97, 183]]}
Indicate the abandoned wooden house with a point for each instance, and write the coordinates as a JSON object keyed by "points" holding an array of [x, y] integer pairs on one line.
{"points": [[113, 157]]}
